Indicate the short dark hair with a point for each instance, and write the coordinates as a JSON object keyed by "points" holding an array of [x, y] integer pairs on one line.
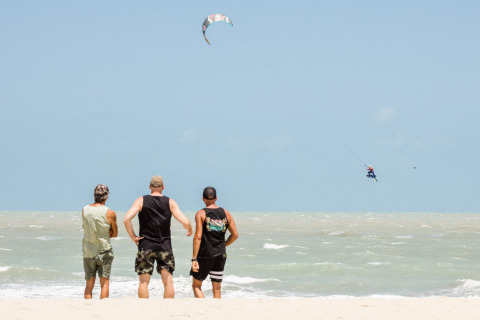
{"points": [[209, 193]]}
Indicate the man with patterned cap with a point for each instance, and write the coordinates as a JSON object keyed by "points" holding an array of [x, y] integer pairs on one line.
{"points": [[155, 212], [99, 225]]}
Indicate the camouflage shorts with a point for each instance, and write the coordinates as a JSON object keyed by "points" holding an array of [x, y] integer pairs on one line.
{"points": [[146, 258]]}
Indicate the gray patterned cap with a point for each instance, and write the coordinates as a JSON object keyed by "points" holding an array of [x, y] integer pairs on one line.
{"points": [[101, 190]]}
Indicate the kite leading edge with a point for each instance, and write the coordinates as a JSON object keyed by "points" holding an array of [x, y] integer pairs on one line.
{"points": [[214, 18]]}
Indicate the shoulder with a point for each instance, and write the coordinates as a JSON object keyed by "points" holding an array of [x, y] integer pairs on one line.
{"points": [[200, 212], [228, 214], [111, 213], [200, 216], [138, 204]]}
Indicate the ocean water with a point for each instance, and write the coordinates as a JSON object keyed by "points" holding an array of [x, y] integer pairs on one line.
{"points": [[278, 254]]}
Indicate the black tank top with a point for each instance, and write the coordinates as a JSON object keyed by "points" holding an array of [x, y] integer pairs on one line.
{"points": [[213, 235], [155, 219]]}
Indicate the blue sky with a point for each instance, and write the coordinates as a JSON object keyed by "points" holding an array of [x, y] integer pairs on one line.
{"points": [[280, 113]]}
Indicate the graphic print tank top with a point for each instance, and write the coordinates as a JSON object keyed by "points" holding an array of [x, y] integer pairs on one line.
{"points": [[213, 235]]}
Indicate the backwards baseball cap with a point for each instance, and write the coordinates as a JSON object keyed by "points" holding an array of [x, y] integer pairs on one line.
{"points": [[156, 182], [100, 190], [209, 193]]}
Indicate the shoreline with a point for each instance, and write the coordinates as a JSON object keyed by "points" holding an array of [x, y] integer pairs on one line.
{"points": [[437, 308]]}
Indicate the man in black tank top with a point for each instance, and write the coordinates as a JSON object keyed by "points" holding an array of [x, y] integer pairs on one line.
{"points": [[209, 245], [154, 243]]}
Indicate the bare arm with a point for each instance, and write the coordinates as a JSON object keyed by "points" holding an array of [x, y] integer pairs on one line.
{"points": [[197, 238], [112, 220], [177, 214], [232, 228], [131, 213]]}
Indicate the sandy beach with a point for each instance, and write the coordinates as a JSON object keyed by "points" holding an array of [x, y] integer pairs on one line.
{"points": [[244, 308]]}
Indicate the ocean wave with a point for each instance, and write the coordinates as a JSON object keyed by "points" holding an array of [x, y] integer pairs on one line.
{"points": [[3, 269], [245, 280], [274, 246], [376, 263], [464, 288], [48, 238], [336, 233], [403, 237], [328, 263], [5, 249], [300, 247]]}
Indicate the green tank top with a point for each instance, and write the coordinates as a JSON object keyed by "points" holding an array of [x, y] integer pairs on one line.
{"points": [[96, 230]]}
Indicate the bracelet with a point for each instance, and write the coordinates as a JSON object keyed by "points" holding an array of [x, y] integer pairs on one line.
{"points": [[194, 260]]}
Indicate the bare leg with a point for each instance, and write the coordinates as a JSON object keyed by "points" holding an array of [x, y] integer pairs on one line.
{"points": [[143, 285], [89, 288], [167, 279], [104, 285], [197, 288], [217, 289]]}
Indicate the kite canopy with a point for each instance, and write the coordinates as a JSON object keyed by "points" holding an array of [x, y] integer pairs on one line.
{"points": [[214, 18]]}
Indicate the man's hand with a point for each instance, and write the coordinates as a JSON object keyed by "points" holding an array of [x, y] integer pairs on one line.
{"points": [[195, 266], [137, 240]]}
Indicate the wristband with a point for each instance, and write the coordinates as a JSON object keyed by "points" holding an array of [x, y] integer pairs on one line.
{"points": [[194, 260]]}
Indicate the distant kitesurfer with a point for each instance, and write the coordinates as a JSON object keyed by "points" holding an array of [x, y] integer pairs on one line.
{"points": [[371, 174]]}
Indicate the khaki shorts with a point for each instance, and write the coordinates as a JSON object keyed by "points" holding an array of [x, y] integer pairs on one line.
{"points": [[101, 264]]}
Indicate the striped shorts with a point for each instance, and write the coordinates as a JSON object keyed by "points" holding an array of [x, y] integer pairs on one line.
{"points": [[212, 267]]}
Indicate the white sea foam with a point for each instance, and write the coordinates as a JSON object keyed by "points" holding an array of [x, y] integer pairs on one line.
{"points": [[47, 238], [3, 269], [34, 226], [370, 236], [300, 247], [5, 249], [328, 263], [275, 246], [466, 288], [336, 233], [245, 280], [376, 263]]}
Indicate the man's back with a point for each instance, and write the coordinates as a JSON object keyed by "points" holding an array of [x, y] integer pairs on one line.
{"points": [[213, 236], [155, 218], [96, 231]]}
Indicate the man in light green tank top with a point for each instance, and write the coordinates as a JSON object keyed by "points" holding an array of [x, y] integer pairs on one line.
{"points": [[99, 225]]}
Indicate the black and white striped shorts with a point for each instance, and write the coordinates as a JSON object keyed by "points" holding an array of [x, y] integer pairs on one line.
{"points": [[212, 267]]}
